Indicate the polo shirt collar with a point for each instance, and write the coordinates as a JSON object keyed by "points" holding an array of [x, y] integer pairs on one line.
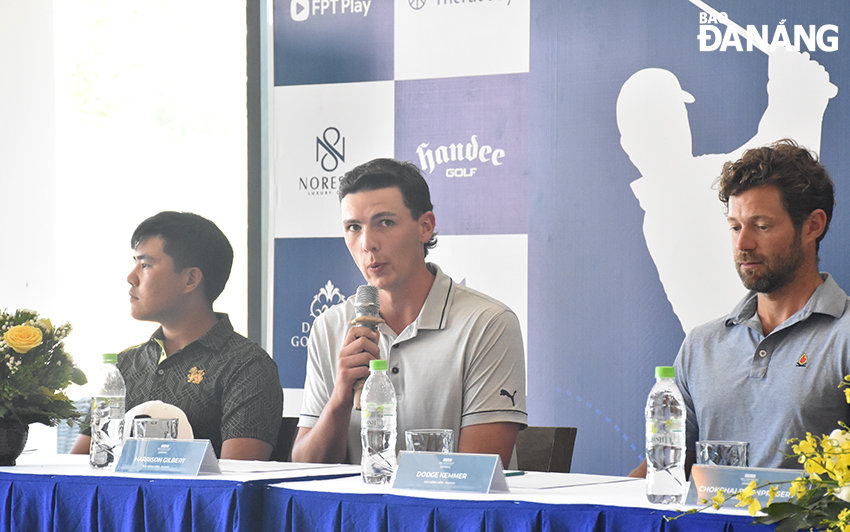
{"points": [[828, 298], [214, 338], [437, 304]]}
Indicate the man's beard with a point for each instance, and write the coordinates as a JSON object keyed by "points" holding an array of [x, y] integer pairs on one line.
{"points": [[779, 270]]}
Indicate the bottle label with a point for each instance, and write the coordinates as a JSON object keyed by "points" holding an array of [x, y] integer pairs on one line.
{"points": [[375, 416], [665, 432]]}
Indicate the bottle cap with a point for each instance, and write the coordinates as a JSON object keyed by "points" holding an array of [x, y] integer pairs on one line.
{"points": [[378, 365], [665, 372], [110, 358]]}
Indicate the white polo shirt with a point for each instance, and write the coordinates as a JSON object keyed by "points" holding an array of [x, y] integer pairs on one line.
{"points": [[460, 363]]}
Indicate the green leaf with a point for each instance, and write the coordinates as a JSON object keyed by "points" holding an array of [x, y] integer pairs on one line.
{"points": [[78, 377], [779, 511], [797, 522], [833, 507]]}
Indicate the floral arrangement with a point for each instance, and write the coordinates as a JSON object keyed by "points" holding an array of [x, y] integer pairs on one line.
{"points": [[820, 497], [35, 370]]}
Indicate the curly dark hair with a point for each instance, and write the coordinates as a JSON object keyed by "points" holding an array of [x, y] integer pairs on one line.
{"points": [[803, 182], [385, 173]]}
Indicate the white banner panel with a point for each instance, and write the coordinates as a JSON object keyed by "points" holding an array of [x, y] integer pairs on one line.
{"points": [[321, 132], [496, 265], [443, 38]]}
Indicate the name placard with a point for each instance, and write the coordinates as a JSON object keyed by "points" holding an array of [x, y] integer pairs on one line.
{"points": [[707, 480], [481, 473], [173, 457]]}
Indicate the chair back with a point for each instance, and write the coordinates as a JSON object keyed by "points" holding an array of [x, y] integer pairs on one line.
{"points": [[285, 439], [547, 449]]}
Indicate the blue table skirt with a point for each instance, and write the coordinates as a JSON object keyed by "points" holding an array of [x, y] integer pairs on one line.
{"points": [[35, 503], [295, 510]]}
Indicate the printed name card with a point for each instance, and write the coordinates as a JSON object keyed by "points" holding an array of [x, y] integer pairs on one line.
{"points": [[707, 481], [173, 457], [480, 473]]}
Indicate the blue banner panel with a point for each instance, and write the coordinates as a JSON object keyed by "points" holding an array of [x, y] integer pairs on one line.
{"points": [[311, 275], [324, 41], [602, 307]]}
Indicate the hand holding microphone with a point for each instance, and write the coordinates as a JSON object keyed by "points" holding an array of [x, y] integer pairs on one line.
{"points": [[366, 312]]}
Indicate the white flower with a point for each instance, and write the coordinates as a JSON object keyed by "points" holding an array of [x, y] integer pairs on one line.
{"points": [[841, 436]]}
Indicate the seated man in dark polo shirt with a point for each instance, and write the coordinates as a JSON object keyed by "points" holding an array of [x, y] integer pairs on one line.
{"points": [[226, 384]]}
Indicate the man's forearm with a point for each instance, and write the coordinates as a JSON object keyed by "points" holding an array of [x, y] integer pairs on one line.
{"points": [[327, 441]]}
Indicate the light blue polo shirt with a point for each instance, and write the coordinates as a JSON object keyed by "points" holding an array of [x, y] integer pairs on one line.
{"points": [[740, 385]]}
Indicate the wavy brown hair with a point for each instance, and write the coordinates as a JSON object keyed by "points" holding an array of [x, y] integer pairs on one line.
{"points": [[803, 182]]}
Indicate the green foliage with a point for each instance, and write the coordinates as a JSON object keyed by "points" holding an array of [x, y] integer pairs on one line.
{"points": [[33, 383]]}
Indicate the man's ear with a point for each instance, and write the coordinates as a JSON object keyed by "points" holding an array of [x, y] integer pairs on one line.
{"points": [[427, 222], [194, 276], [814, 225]]}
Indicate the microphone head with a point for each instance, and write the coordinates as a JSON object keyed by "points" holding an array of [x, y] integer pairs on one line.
{"points": [[366, 301]]}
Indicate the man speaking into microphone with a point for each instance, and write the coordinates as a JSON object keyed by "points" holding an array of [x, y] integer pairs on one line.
{"points": [[455, 356]]}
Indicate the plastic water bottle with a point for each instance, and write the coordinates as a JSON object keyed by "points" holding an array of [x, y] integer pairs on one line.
{"points": [[378, 425], [107, 416], [665, 439]]}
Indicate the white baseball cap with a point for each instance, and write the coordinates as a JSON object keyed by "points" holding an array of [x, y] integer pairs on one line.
{"points": [[158, 409]]}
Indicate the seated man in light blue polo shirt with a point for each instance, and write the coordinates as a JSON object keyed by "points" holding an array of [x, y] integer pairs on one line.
{"points": [[769, 371]]}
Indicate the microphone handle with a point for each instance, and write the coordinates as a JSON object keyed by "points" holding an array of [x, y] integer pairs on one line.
{"points": [[371, 322]]}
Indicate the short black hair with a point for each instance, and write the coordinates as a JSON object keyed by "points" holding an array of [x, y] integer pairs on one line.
{"points": [[386, 173], [191, 241], [803, 182]]}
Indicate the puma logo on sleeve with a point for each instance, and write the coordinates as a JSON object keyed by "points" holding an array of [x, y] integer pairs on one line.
{"points": [[510, 395]]}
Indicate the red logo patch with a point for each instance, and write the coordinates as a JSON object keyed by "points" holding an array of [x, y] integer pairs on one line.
{"points": [[803, 360]]}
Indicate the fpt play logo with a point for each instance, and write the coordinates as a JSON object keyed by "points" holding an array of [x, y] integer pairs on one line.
{"points": [[301, 10]]}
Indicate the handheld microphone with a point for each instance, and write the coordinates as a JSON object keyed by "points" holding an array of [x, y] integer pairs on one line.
{"points": [[366, 314]]}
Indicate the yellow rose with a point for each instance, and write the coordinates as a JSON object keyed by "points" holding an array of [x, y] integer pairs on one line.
{"points": [[22, 338]]}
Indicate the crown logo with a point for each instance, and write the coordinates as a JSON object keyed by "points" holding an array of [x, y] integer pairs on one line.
{"points": [[328, 296]]}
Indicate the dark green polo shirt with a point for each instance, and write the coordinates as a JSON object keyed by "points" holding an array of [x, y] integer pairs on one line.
{"points": [[226, 384]]}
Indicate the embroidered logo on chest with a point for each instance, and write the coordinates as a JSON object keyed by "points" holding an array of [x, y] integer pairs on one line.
{"points": [[803, 360], [195, 376]]}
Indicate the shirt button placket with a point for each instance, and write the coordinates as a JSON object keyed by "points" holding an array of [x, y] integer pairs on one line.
{"points": [[398, 383], [761, 360]]}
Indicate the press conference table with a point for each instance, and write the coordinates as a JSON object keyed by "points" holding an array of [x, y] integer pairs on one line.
{"points": [[61, 493]]}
